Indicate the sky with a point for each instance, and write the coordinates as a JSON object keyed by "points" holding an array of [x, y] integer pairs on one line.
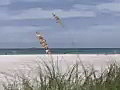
{"points": [[87, 23]]}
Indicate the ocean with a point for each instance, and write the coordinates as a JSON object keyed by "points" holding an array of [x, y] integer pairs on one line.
{"points": [[19, 51]]}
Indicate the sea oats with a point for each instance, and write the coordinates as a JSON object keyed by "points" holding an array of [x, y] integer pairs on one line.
{"points": [[43, 43]]}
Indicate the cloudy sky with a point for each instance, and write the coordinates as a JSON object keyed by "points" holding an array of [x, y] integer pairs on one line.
{"points": [[88, 23]]}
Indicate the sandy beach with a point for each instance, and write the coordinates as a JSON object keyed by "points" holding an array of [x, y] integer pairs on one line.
{"points": [[9, 62], [99, 61]]}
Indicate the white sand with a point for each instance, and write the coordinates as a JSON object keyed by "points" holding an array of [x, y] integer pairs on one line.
{"points": [[15, 61], [99, 61]]}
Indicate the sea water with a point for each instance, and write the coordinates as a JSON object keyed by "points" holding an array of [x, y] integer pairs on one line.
{"points": [[17, 51]]}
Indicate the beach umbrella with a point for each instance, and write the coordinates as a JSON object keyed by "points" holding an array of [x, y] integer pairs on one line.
{"points": [[58, 20], [43, 42]]}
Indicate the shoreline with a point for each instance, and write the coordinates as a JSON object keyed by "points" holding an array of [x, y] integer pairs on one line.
{"points": [[54, 54]]}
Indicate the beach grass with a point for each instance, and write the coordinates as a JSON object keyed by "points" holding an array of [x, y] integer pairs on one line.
{"points": [[77, 77]]}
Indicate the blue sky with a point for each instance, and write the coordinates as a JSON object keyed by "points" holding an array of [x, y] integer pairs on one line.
{"points": [[88, 23]]}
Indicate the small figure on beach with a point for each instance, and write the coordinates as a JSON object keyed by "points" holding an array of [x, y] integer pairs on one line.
{"points": [[58, 20]]}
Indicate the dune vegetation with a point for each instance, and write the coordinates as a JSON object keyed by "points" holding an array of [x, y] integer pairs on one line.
{"points": [[77, 77]]}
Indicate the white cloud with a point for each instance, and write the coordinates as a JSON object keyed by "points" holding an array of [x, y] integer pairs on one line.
{"points": [[75, 13], [84, 7], [116, 0], [4, 2], [32, 0], [40, 13], [20, 34], [19, 29], [105, 7], [105, 27], [115, 7], [4, 15]]}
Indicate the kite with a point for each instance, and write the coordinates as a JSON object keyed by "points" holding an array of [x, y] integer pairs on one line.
{"points": [[43, 42], [58, 20]]}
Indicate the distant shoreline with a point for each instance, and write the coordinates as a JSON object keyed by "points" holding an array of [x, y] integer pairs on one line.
{"points": [[21, 51]]}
